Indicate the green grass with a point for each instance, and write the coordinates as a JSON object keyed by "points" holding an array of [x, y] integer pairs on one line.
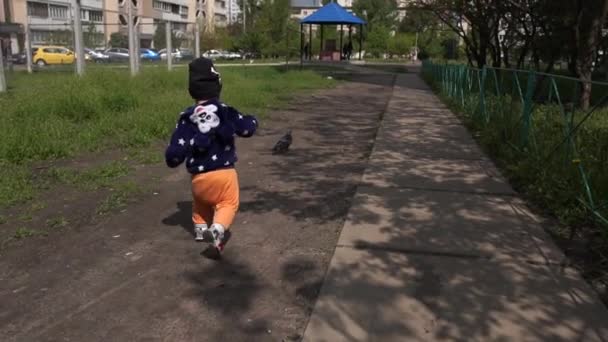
{"points": [[119, 197], [22, 233], [91, 179], [51, 115], [146, 156], [57, 222]]}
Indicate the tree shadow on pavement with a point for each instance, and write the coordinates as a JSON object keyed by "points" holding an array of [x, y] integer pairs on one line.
{"points": [[436, 247], [292, 208]]}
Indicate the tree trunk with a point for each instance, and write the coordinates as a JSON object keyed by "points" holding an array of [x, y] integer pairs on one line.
{"points": [[588, 31], [572, 65], [522, 55], [536, 59], [469, 56], [505, 57]]}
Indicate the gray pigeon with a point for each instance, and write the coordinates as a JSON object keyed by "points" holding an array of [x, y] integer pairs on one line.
{"points": [[283, 144]]}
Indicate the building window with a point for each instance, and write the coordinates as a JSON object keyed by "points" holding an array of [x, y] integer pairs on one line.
{"points": [[179, 26], [162, 6], [36, 9], [58, 12], [96, 16]]}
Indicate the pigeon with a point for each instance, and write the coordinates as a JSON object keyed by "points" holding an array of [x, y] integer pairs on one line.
{"points": [[283, 144]]}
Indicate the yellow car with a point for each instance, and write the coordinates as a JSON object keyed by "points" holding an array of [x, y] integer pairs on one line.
{"points": [[46, 55]]}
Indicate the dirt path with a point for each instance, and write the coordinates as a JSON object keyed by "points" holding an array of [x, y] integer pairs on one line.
{"points": [[139, 276]]}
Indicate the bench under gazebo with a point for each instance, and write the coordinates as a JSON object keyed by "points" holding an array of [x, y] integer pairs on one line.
{"points": [[330, 14]]}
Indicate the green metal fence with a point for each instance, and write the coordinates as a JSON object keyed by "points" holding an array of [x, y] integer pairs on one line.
{"points": [[534, 124]]}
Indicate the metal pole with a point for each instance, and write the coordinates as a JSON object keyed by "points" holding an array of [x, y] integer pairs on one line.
{"points": [[287, 48], [137, 54], [3, 85], [79, 49], [310, 42], [169, 46], [132, 65], [350, 41], [416, 48], [301, 44], [360, 42], [341, 36], [197, 38], [9, 60], [321, 44], [28, 46]]}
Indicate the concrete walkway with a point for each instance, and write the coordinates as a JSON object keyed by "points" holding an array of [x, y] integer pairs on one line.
{"points": [[437, 246]]}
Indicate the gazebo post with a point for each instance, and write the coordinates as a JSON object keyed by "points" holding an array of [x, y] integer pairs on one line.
{"points": [[360, 41], [341, 47], [321, 44], [301, 45], [350, 40], [331, 14], [310, 42]]}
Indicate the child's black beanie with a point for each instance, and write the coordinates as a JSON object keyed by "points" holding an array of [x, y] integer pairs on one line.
{"points": [[204, 82]]}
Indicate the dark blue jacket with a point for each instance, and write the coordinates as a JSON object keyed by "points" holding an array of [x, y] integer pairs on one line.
{"points": [[204, 137]]}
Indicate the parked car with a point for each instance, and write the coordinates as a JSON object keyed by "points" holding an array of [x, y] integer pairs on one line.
{"points": [[214, 54], [95, 56], [233, 55], [176, 55], [46, 55], [19, 58], [186, 54], [117, 54], [149, 55], [250, 54]]}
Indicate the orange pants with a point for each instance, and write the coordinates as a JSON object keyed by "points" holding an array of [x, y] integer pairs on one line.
{"points": [[215, 197]]}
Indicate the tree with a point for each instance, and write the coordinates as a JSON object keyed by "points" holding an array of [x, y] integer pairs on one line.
{"points": [[475, 22], [91, 36], [590, 21], [450, 48], [273, 22], [160, 37], [377, 13], [252, 41], [401, 44], [377, 41], [118, 39], [417, 20]]}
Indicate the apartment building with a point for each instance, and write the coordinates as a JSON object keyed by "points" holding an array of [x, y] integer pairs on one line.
{"points": [[9, 30], [50, 21], [207, 13], [234, 11], [221, 13]]}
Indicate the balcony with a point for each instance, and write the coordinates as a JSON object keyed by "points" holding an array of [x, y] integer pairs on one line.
{"points": [[91, 3], [171, 17], [7, 28]]}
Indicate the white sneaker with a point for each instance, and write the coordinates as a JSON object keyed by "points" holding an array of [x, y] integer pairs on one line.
{"points": [[214, 235], [199, 232]]}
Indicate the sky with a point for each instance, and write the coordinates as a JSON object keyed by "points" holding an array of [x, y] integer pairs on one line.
{"points": [[305, 3]]}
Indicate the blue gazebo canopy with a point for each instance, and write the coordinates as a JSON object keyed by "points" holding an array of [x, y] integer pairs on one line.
{"points": [[332, 14]]}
